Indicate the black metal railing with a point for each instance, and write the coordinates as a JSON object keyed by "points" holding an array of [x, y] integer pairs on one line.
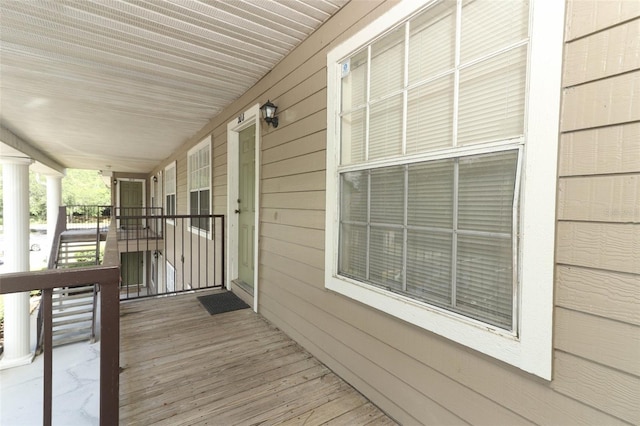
{"points": [[88, 217], [163, 254]]}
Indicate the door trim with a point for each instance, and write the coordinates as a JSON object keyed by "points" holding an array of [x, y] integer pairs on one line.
{"points": [[244, 120], [144, 195]]}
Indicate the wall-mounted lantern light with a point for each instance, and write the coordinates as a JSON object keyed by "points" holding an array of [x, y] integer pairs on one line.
{"points": [[115, 181], [155, 179], [269, 113]]}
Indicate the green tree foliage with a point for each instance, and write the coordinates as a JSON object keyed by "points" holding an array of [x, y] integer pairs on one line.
{"points": [[84, 187], [37, 197]]}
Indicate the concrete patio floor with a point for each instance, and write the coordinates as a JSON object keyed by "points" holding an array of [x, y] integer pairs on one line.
{"points": [[76, 388]]}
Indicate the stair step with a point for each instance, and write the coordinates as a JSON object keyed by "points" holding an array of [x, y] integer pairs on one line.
{"points": [[71, 330], [73, 320], [76, 248], [81, 250], [78, 242], [67, 313], [73, 307], [57, 298], [62, 304], [71, 339], [78, 289]]}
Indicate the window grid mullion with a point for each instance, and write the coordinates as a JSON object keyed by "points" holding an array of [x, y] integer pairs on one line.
{"points": [[454, 236], [368, 224], [405, 233], [367, 111]]}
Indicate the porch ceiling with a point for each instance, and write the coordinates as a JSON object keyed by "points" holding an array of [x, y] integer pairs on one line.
{"points": [[119, 86]]}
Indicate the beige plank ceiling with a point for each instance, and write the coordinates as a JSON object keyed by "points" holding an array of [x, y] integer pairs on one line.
{"points": [[119, 85]]}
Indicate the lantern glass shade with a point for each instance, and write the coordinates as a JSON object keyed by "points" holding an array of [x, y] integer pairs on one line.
{"points": [[268, 111]]}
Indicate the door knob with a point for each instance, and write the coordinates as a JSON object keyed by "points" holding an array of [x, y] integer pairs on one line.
{"points": [[237, 210]]}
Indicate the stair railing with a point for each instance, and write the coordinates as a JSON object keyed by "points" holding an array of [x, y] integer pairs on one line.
{"points": [[107, 276], [61, 226]]}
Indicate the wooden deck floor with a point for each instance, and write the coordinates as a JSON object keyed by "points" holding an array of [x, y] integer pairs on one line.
{"points": [[183, 366]]}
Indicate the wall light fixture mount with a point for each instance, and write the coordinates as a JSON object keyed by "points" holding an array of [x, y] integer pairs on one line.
{"points": [[269, 113]]}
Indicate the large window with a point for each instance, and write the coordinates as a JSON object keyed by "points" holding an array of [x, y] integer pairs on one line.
{"points": [[199, 183], [427, 151], [170, 190]]}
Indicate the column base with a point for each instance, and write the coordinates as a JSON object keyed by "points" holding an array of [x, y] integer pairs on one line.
{"points": [[16, 362]]}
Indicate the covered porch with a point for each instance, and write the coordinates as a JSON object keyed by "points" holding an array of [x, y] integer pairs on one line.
{"points": [[180, 365], [184, 366]]}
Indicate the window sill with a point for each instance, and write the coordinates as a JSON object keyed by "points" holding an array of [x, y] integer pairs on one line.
{"points": [[485, 338]]}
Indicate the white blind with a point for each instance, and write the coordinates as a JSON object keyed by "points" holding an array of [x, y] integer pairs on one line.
{"points": [[199, 171], [387, 196], [484, 284], [430, 201], [385, 128], [353, 251], [385, 259], [485, 192], [353, 132], [429, 266], [354, 218], [387, 64], [439, 231], [170, 181], [430, 116], [354, 83], [492, 98], [485, 279], [432, 42], [171, 277], [355, 190], [377, 212], [488, 26]]}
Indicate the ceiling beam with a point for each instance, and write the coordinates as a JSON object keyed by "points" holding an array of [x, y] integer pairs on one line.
{"points": [[8, 138]]}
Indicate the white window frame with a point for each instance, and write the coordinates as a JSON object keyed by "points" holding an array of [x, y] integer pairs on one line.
{"points": [[530, 346], [170, 279], [206, 142], [170, 191]]}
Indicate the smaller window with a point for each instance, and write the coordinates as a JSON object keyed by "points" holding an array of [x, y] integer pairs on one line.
{"points": [[199, 185], [170, 190], [171, 278]]}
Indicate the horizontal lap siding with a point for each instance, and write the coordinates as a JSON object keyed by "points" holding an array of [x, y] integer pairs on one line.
{"points": [[597, 318], [416, 376]]}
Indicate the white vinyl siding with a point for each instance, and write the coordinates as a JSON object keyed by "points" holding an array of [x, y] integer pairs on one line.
{"points": [[199, 184], [426, 170]]}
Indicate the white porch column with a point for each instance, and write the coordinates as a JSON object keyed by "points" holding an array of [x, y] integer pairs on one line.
{"points": [[54, 201], [15, 174]]}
